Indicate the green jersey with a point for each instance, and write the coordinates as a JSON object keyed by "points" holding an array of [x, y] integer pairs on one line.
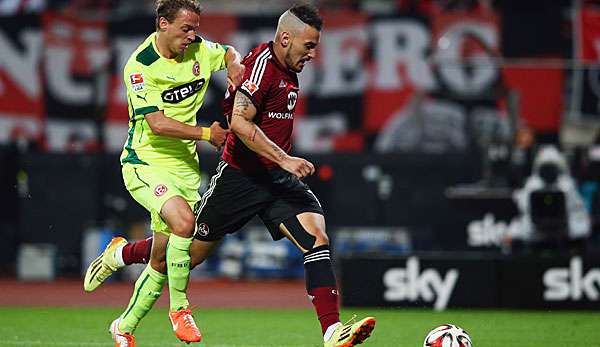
{"points": [[175, 86]]}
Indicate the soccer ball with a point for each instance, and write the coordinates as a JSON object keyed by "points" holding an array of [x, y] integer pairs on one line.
{"points": [[447, 335]]}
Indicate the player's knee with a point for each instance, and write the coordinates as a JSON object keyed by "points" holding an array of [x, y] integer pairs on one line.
{"points": [[159, 265], [184, 226], [321, 237]]}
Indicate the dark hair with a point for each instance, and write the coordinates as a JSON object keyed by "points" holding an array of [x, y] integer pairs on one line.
{"points": [[170, 8], [308, 14]]}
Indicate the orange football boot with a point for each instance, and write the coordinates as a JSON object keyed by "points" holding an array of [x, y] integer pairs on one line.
{"points": [[184, 326], [122, 339]]}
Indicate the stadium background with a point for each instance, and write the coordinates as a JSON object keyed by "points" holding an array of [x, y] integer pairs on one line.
{"points": [[411, 111]]}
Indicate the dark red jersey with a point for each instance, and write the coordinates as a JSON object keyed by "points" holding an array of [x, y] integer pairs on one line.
{"points": [[273, 90]]}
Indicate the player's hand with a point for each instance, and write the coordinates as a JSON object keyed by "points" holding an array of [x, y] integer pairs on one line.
{"points": [[235, 73], [298, 167], [218, 135]]}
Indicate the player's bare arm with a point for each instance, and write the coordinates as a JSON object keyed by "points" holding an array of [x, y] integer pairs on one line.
{"points": [[164, 126], [235, 69], [254, 138]]}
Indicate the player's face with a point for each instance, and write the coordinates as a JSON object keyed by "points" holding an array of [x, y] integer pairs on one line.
{"points": [[302, 49], [182, 31]]}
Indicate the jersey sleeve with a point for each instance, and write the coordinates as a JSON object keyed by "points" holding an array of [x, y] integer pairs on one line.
{"points": [[143, 93], [216, 53], [256, 82]]}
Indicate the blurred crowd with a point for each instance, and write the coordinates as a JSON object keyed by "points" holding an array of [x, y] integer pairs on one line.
{"points": [[513, 155], [424, 7]]}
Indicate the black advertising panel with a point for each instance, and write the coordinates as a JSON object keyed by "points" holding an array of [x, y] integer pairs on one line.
{"points": [[419, 281], [471, 281], [550, 283]]}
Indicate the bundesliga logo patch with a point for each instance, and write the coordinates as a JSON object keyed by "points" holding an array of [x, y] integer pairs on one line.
{"points": [[160, 190], [249, 87], [137, 81]]}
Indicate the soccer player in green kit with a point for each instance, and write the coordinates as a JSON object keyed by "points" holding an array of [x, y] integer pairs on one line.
{"points": [[258, 177], [166, 78]]}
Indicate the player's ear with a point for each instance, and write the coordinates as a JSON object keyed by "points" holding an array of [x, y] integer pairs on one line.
{"points": [[285, 39], [162, 23]]}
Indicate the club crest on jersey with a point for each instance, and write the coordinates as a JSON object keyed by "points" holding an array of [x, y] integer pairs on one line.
{"points": [[196, 69], [203, 229], [292, 98], [160, 190], [182, 92], [137, 81], [250, 87]]}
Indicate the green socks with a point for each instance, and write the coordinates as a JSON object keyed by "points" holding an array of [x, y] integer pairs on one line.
{"points": [[148, 286], [178, 270], [146, 291]]}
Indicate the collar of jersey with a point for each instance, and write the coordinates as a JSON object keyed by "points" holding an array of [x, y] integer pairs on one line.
{"points": [[153, 41]]}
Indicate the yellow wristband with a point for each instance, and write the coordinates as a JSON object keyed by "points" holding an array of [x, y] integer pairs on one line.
{"points": [[205, 134]]}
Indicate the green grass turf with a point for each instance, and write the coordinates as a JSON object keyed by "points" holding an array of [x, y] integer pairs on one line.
{"points": [[70, 327]]}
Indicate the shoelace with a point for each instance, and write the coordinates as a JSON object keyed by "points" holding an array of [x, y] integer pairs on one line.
{"points": [[353, 320], [104, 273], [188, 319]]}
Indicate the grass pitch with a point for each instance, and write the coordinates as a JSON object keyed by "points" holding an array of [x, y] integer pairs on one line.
{"points": [[87, 327]]}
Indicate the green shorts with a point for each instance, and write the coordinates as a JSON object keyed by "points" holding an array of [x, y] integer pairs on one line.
{"points": [[152, 186]]}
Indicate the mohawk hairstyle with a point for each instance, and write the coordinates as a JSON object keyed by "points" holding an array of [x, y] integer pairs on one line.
{"points": [[308, 14]]}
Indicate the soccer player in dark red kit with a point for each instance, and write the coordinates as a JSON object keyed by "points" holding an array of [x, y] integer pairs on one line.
{"points": [[258, 176]]}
